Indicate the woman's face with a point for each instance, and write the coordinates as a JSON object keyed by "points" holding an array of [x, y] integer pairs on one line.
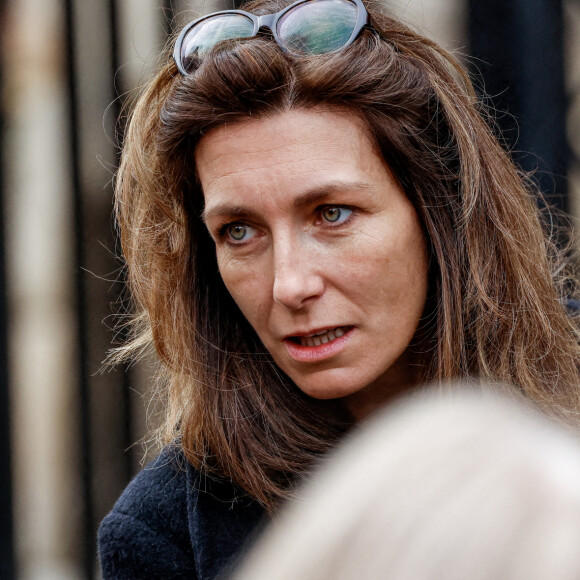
{"points": [[319, 247]]}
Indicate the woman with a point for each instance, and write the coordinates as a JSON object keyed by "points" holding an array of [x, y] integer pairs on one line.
{"points": [[464, 486], [314, 221]]}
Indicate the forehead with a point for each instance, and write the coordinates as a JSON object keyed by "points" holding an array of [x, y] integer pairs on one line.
{"points": [[290, 150], [289, 124]]}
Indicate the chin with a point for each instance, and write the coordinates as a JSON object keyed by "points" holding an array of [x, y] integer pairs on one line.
{"points": [[325, 388], [362, 390]]}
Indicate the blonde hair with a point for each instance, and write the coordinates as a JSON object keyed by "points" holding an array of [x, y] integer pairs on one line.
{"points": [[437, 488], [496, 281]]}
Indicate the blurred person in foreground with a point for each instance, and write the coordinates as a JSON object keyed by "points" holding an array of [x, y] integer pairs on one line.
{"points": [[315, 218], [436, 488]]}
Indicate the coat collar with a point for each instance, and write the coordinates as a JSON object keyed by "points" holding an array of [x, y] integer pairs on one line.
{"points": [[222, 521]]}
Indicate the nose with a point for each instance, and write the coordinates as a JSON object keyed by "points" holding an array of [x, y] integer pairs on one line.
{"points": [[297, 277]]}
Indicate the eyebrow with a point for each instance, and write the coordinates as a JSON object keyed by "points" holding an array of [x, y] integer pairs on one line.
{"points": [[224, 209], [309, 197], [318, 194]]}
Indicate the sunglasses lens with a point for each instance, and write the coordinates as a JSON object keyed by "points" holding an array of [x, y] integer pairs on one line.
{"points": [[206, 34], [318, 26]]}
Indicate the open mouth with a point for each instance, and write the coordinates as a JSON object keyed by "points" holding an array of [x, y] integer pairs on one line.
{"points": [[322, 337]]}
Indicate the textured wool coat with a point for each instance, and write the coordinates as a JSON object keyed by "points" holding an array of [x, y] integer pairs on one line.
{"points": [[171, 522]]}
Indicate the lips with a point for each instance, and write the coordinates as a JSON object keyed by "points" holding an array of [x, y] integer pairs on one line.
{"points": [[320, 337], [313, 347]]}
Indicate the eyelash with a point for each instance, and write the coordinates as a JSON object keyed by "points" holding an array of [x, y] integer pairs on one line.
{"points": [[222, 230]]}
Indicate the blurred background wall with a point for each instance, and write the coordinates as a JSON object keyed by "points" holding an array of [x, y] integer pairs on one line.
{"points": [[70, 430]]}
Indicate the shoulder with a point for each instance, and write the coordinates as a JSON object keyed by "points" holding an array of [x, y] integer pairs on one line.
{"points": [[173, 522], [146, 532]]}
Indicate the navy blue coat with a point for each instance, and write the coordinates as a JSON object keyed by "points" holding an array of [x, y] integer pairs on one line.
{"points": [[171, 522]]}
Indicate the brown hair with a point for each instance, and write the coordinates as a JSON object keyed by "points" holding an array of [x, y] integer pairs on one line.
{"points": [[496, 309]]}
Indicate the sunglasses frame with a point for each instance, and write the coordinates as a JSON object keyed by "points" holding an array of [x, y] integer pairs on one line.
{"points": [[269, 21]]}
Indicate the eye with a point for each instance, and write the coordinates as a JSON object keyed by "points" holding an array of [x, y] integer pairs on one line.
{"points": [[239, 232], [335, 214]]}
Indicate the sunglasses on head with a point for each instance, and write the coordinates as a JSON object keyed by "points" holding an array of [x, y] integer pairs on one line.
{"points": [[304, 27]]}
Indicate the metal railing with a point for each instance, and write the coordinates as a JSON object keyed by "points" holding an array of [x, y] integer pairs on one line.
{"points": [[6, 509], [518, 49]]}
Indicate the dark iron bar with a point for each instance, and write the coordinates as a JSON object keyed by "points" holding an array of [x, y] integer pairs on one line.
{"points": [[7, 567], [116, 107], [518, 49], [85, 431]]}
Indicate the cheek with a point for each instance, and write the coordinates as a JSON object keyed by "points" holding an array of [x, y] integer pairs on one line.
{"points": [[414, 272], [399, 285], [247, 285], [413, 262]]}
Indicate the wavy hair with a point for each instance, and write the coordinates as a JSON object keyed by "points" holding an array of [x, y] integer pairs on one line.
{"points": [[497, 283]]}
